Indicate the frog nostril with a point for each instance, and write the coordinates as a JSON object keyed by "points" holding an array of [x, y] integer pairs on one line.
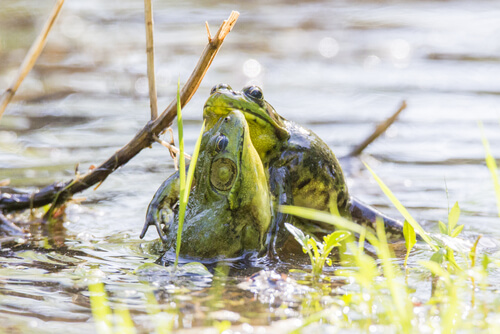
{"points": [[213, 90]]}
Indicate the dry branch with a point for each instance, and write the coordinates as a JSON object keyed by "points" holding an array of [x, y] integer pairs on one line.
{"points": [[381, 128], [30, 58], [144, 138]]}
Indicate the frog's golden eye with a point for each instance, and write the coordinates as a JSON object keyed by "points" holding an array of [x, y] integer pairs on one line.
{"points": [[254, 92], [222, 174], [221, 143], [220, 87]]}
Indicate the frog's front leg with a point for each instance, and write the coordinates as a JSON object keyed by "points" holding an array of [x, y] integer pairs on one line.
{"points": [[164, 199], [282, 195], [366, 215]]}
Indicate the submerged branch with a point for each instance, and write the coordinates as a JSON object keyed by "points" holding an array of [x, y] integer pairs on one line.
{"points": [[30, 58], [144, 138], [380, 129]]}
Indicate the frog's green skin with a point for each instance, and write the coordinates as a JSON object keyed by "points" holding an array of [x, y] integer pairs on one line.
{"points": [[300, 167], [229, 208]]}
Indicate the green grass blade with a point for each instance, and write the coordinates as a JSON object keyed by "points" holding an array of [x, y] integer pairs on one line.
{"points": [[192, 165], [492, 166], [398, 292], [124, 323], [185, 183], [416, 226], [163, 321], [337, 221], [410, 239], [453, 217], [100, 308], [182, 175]]}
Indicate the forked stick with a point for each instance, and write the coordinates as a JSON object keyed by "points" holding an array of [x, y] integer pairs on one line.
{"points": [[142, 139], [30, 58]]}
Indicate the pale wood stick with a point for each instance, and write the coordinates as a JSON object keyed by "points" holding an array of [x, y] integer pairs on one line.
{"points": [[144, 138], [381, 128], [30, 58], [150, 51], [214, 43]]}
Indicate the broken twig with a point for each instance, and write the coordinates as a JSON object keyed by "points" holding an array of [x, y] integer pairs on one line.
{"points": [[30, 58], [378, 131], [144, 138]]}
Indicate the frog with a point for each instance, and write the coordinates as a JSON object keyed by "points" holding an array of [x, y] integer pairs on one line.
{"points": [[300, 167], [229, 208]]}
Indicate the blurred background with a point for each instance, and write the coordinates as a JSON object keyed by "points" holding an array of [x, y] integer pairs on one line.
{"points": [[336, 67]]}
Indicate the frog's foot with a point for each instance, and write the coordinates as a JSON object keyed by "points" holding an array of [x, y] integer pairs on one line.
{"points": [[157, 221]]}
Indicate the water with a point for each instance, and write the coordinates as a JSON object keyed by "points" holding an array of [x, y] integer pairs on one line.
{"points": [[335, 67]]}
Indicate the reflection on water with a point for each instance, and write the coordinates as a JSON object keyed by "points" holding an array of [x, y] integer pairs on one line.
{"points": [[336, 67]]}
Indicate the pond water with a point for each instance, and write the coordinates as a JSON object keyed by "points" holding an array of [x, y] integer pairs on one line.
{"points": [[336, 67]]}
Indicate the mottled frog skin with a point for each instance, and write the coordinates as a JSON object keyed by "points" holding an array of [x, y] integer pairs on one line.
{"points": [[300, 168], [229, 208]]}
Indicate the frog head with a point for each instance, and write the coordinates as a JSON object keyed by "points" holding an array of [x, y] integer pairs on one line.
{"points": [[229, 210], [267, 130]]}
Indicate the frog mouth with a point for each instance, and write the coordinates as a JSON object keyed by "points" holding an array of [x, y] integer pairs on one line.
{"points": [[250, 115]]}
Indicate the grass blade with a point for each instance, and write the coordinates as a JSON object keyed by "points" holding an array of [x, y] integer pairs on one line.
{"points": [[185, 184], [325, 217], [416, 226], [410, 239], [100, 308], [492, 166], [182, 174], [192, 165]]}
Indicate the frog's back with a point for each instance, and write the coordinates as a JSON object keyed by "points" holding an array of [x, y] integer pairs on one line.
{"points": [[315, 174]]}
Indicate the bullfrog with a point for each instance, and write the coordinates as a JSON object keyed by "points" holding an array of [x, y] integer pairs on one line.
{"points": [[300, 168], [229, 208]]}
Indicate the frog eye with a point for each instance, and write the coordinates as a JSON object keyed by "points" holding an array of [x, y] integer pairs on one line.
{"points": [[254, 92], [220, 87], [222, 174], [221, 143]]}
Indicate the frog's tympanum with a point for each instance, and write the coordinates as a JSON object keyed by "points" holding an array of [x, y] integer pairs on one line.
{"points": [[229, 208], [300, 168]]}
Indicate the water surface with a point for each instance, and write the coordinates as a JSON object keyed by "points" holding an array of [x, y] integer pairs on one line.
{"points": [[336, 67]]}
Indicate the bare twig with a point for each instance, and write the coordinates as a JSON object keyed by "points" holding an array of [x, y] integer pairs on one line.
{"points": [[31, 57], [150, 51], [378, 131], [142, 139], [204, 63]]}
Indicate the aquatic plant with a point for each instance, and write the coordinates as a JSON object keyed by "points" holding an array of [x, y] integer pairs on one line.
{"points": [[185, 183], [492, 166], [318, 251]]}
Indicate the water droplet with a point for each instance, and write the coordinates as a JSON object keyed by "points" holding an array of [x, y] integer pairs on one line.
{"points": [[252, 68], [141, 86], [328, 47]]}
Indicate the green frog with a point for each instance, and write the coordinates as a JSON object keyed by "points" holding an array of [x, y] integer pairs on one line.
{"points": [[229, 208], [300, 168]]}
